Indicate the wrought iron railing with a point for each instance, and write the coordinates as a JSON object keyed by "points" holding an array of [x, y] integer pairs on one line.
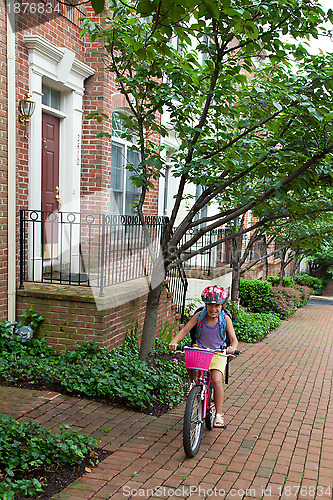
{"points": [[211, 258], [86, 249], [177, 283]]}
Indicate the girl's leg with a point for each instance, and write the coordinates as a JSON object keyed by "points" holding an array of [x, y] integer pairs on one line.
{"points": [[192, 374], [216, 380]]}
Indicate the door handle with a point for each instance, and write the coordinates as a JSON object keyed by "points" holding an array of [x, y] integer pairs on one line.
{"points": [[57, 196]]}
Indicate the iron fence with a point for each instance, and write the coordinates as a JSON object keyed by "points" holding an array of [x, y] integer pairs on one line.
{"points": [[178, 284], [211, 258], [86, 249]]}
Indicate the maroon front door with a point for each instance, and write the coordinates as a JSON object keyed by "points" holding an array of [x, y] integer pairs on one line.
{"points": [[50, 184]]}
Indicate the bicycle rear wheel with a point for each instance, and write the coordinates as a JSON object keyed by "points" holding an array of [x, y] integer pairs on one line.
{"points": [[211, 412], [192, 428]]}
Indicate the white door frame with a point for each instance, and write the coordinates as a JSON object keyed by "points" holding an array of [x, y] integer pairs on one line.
{"points": [[59, 68]]}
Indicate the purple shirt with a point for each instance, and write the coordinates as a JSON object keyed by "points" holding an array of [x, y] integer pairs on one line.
{"points": [[210, 337]]}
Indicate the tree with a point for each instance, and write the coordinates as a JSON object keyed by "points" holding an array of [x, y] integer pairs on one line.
{"points": [[321, 260], [247, 127], [299, 238], [295, 227]]}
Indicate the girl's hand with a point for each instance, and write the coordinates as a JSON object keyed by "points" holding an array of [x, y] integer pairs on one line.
{"points": [[230, 350], [173, 346]]}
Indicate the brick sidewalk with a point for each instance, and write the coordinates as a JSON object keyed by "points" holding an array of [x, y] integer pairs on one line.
{"points": [[279, 412]]}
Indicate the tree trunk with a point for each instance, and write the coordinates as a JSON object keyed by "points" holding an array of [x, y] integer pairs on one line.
{"points": [[235, 281], [283, 266], [266, 269], [235, 245], [149, 326]]}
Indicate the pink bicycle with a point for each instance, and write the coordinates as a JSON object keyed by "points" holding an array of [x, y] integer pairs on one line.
{"points": [[200, 406]]}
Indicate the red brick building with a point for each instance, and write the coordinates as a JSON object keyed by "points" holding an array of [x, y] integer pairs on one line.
{"points": [[55, 163], [77, 227]]}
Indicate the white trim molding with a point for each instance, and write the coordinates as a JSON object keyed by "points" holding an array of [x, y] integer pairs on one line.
{"points": [[57, 67], [57, 63]]}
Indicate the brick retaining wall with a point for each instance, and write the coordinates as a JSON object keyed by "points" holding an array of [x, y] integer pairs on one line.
{"points": [[73, 315]]}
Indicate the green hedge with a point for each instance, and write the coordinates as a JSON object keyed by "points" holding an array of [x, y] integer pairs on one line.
{"points": [[262, 296], [316, 284], [254, 293], [274, 280]]}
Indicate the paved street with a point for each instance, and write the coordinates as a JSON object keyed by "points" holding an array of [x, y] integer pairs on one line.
{"points": [[278, 443]]}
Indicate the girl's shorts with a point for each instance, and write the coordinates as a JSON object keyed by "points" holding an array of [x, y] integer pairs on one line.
{"points": [[218, 363]]}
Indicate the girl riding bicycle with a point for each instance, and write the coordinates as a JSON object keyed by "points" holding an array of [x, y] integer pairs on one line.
{"points": [[213, 325]]}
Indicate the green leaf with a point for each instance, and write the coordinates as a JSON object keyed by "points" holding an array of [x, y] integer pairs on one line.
{"points": [[98, 6]]}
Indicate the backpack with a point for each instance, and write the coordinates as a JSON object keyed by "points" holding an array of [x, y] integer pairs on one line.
{"points": [[193, 330], [193, 340]]}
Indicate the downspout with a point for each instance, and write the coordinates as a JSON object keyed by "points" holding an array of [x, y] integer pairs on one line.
{"points": [[11, 101]]}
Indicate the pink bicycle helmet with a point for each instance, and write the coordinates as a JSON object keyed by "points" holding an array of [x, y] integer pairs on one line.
{"points": [[214, 295]]}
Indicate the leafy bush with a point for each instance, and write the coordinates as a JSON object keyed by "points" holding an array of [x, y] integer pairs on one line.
{"points": [[305, 291], [118, 375], [251, 327], [164, 337], [233, 308], [29, 445], [31, 318], [316, 284], [253, 293], [191, 305], [274, 280], [284, 300]]}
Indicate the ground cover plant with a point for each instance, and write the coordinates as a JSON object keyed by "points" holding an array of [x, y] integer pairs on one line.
{"points": [[250, 327], [88, 370], [28, 450]]}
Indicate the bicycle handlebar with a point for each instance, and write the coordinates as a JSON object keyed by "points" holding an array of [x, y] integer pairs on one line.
{"points": [[182, 347]]}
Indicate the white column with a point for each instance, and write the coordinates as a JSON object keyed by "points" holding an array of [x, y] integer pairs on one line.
{"points": [[35, 176], [11, 89]]}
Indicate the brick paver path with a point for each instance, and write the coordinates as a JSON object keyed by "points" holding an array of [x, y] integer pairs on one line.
{"points": [[278, 443]]}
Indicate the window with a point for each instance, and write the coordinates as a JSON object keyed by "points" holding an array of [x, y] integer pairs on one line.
{"points": [[123, 192], [50, 97], [204, 54], [204, 210], [167, 180]]}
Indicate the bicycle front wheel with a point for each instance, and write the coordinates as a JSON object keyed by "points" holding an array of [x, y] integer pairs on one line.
{"points": [[192, 429]]}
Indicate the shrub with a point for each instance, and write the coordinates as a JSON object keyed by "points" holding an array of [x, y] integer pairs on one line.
{"points": [[164, 337], [233, 308], [29, 445], [191, 305], [305, 291], [253, 326], [284, 300], [316, 284], [274, 280], [253, 293]]}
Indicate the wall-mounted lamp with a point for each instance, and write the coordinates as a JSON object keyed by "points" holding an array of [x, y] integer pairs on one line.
{"points": [[26, 109]]}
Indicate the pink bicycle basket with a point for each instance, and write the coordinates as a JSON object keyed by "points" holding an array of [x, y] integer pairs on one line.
{"points": [[198, 359]]}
